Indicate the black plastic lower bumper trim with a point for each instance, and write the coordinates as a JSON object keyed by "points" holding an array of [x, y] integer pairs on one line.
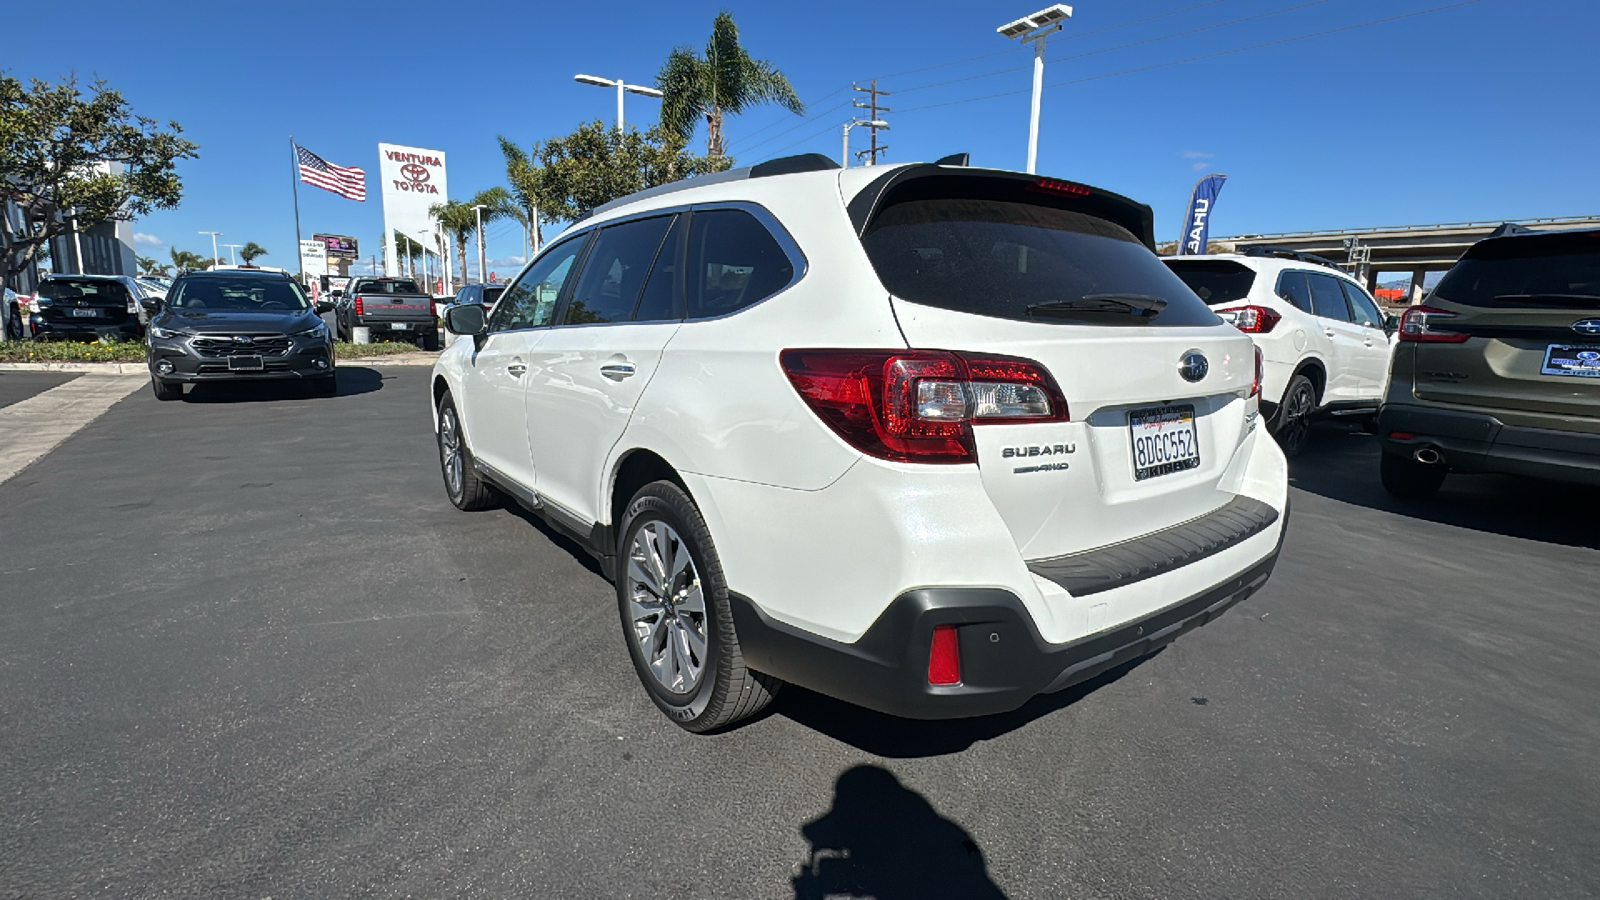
{"points": [[1479, 442], [1004, 660]]}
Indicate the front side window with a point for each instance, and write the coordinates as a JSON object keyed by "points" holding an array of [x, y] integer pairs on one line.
{"points": [[1327, 300], [734, 262], [1366, 312], [531, 301], [614, 272]]}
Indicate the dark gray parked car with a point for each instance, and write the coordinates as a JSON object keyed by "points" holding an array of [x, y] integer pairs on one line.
{"points": [[232, 325]]}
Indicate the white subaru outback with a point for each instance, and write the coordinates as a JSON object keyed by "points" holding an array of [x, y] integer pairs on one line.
{"points": [[927, 438], [1324, 341]]}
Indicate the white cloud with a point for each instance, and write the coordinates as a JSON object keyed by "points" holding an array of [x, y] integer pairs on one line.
{"points": [[1197, 154], [140, 239], [1201, 166], [506, 262]]}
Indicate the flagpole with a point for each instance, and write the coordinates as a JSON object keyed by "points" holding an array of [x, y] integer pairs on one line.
{"points": [[294, 157]]}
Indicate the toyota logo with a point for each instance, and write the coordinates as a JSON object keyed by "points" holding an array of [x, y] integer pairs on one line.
{"points": [[414, 173], [1587, 326], [1193, 366]]}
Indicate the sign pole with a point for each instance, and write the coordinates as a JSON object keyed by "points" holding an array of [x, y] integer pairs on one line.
{"points": [[294, 157]]}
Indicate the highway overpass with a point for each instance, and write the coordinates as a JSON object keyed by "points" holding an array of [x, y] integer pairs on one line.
{"points": [[1414, 249]]}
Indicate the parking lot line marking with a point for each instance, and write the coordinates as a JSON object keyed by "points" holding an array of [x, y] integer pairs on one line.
{"points": [[33, 427]]}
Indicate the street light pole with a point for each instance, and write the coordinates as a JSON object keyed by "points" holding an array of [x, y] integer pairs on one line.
{"points": [[215, 260], [844, 154], [233, 259], [1034, 29], [481, 274], [621, 87]]}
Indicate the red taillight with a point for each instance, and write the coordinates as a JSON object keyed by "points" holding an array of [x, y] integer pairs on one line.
{"points": [[1255, 384], [1250, 319], [359, 310], [944, 656], [433, 307], [920, 405], [33, 303], [1057, 186], [1419, 326]]}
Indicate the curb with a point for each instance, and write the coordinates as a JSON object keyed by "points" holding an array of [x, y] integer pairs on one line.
{"points": [[139, 368]]}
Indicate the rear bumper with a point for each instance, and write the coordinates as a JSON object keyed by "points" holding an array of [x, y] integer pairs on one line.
{"points": [[1004, 660], [128, 330], [398, 326], [1472, 442]]}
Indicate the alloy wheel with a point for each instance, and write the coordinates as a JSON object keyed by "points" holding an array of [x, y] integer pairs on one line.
{"points": [[1295, 426], [450, 450], [666, 606]]}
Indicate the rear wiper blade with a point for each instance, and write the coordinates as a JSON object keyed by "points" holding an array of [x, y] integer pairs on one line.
{"points": [[1133, 304]]}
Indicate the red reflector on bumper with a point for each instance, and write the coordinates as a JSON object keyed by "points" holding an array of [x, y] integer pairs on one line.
{"points": [[1401, 435], [944, 656]]}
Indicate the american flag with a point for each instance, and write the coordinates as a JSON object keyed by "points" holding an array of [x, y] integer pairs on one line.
{"points": [[346, 181]]}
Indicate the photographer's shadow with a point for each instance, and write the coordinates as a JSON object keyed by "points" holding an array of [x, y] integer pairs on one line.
{"points": [[886, 841]]}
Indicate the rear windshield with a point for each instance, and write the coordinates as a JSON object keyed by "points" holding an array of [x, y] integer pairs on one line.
{"points": [[491, 294], [1560, 271], [388, 287], [249, 294], [84, 290], [999, 258], [1214, 281]]}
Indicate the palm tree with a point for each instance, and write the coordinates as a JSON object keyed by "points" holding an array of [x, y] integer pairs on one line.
{"points": [[183, 259], [524, 174], [725, 80], [407, 250], [250, 251], [147, 266], [460, 220]]}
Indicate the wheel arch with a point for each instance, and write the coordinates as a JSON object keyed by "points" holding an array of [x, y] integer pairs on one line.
{"points": [[1316, 372], [441, 386], [633, 470]]}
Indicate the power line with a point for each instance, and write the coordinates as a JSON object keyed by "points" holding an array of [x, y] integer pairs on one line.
{"points": [[1165, 37], [1204, 56], [808, 120], [776, 122]]}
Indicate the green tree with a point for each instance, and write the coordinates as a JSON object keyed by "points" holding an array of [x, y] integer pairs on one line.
{"points": [[596, 164], [250, 251], [183, 259], [526, 178], [460, 220], [147, 266], [724, 80], [56, 150]]}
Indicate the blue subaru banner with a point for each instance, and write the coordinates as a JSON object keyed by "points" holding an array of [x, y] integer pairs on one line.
{"points": [[1197, 217]]}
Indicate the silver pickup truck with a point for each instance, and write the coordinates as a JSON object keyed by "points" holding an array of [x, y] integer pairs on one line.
{"points": [[392, 307]]}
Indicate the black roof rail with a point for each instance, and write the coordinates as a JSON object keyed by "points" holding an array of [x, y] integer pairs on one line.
{"points": [[783, 165], [1287, 253], [954, 159]]}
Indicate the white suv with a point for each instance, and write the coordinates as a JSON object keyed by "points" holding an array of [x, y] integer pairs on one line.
{"points": [[1324, 340], [926, 438]]}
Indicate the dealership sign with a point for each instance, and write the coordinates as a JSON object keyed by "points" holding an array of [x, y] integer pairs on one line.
{"points": [[339, 246], [413, 180], [314, 258]]}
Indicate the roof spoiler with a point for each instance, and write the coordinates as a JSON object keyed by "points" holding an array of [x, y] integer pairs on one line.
{"points": [[1130, 214], [1510, 229]]}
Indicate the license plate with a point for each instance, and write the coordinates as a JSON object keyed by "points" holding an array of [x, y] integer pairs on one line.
{"points": [[245, 363], [400, 326], [1573, 361], [1165, 440], [84, 313]]}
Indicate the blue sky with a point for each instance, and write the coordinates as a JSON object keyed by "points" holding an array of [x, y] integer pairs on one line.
{"points": [[1478, 112]]}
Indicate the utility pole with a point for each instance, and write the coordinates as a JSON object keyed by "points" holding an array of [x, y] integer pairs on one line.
{"points": [[876, 120]]}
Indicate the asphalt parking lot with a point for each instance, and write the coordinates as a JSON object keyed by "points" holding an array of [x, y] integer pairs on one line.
{"points": [[247, 648]]}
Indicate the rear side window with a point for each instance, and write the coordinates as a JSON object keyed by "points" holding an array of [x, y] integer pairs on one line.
{"points": [[1327, 300], [1293, 288], [614, 272], [734, 262], [1214, 281], [1011, 259], [1560, 271]]}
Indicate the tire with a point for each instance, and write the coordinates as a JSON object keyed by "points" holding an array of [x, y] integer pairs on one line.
{"points": [[166, 390], [1291, 424], [1410, 479], [14, 322], [676, 604], [430, 341], [461, 484]]}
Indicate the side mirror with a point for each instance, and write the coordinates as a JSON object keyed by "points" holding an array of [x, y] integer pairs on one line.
{"points": [[1391, 324], [152, 305], [324, 306], [466, 318]]}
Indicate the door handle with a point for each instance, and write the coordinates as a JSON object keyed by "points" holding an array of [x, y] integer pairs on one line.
{"points": [[516, 369], [617, 371], [1328, 332]]}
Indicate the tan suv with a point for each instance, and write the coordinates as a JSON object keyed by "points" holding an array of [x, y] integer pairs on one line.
{"points": [[1499, 371]]}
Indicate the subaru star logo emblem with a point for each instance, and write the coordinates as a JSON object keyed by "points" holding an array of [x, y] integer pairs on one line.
{"points": [[1193, 366], [243, 339], [1587, 326]]}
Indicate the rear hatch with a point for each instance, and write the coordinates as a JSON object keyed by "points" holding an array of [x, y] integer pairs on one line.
{"points": [[396, 299], [1529, 308], [1064, 275], [88, 302]]}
